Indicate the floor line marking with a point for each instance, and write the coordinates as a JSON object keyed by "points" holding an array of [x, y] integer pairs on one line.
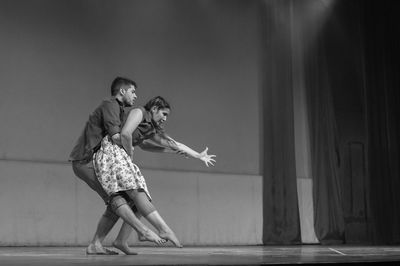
{"points": [[337, 251]]}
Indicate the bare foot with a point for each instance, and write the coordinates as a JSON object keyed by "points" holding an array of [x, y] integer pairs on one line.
{"points": [[142, 238], [171, 237], [124, 248], [93, 249], [152, 237]]}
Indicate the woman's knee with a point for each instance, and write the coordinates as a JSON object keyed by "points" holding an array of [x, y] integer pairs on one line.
{"points": [[141, 201], [116, 201]]}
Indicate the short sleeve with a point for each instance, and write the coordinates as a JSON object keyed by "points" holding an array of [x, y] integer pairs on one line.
{"points": [[111, 117]]}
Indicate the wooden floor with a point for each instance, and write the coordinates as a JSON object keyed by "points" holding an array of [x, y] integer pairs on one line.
{"points": [[232, 255]]}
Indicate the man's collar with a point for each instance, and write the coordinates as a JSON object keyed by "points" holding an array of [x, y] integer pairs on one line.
{"points": [[119, 102]]}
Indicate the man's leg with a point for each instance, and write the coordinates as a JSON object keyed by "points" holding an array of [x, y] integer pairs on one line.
{"points": [[122, 240], [117, 205], [107, 221], [104, 226]]}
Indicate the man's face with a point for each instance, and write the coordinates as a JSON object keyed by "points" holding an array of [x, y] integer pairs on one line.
{"points": [[129, 96], [159, 116]]}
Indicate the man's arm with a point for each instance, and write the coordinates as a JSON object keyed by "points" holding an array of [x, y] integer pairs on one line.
{"points": [[112, 121]]}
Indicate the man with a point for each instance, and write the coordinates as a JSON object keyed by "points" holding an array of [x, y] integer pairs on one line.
{"points": [[106, 120]]}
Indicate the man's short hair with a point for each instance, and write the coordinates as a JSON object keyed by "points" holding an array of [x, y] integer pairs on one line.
{"points": [[119, 83]]}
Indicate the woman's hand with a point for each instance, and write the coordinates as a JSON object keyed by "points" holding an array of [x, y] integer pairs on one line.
{"points": [[207, 158]]}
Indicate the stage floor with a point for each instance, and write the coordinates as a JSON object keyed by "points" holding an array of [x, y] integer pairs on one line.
{"points": [[232, 255]]}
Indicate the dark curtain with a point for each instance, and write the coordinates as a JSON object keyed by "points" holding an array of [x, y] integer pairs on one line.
{"points": [[281, 214], [382, 94], [357, 49], [351, 71]]}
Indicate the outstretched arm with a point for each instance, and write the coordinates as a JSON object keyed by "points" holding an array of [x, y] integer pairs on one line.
{"points": [[151, 146], [132, 122], [172, 144]]}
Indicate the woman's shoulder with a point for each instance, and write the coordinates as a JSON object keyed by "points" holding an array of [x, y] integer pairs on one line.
{"points": [[140, 110]]}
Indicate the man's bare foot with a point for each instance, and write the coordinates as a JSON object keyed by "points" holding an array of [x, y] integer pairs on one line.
{"points": [[152, 237], [124, 248], [93, 249], [171, 237]]}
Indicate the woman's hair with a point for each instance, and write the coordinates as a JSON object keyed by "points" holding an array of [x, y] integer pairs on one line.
{"points": [[158, 102]]}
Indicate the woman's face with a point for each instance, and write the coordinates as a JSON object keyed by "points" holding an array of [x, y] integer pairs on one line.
{"points": [[159, 116]]}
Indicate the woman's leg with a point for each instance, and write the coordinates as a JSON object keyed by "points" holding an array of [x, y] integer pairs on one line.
{"points": [[123, 210], [146, 208], [163, 229]]}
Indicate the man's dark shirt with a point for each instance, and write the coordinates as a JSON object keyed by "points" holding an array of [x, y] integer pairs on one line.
{"points": [[106, 119]]}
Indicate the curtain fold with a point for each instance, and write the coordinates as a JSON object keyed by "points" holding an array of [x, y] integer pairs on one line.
{"points": [[338, 72], [328, 213], [379, 56], [281, 213]]}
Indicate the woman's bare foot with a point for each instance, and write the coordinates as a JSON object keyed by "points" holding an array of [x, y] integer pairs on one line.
{"points": [[152, 237], [124, 248], [141, 238], [171, 237], [93, 249]]}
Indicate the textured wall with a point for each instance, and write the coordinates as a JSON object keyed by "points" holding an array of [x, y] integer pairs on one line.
{"points": [[44, 204]]}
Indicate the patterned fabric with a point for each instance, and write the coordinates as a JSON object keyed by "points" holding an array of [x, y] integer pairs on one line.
{"points": [[115, 169]]}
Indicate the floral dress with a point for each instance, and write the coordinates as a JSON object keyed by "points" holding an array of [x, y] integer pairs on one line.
{"points": [[115, 169]]}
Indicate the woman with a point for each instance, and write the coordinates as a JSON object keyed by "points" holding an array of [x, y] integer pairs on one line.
{"points": [[119, 175]]}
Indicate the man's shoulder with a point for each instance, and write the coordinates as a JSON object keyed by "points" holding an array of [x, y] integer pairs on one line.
{"points": [[110, 100], [108, 103], [105, 105]]}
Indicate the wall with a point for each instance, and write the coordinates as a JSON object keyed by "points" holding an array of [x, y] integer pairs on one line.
{"points": [[58, 63], [58, 60], [44, 204]]}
